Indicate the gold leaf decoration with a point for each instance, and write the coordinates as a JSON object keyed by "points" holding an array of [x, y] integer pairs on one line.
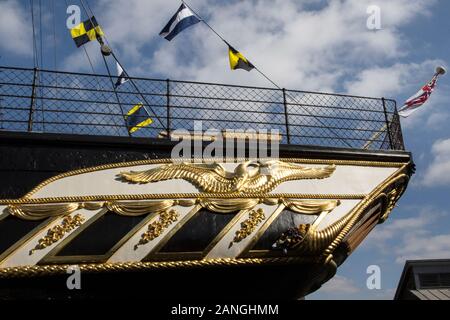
{"points": [[125, 208], [255, 217], [292, 237], [247, 177], [138, 208], [228, 205], [310, 206], [155, 229], [57, 232], [41, 211]]}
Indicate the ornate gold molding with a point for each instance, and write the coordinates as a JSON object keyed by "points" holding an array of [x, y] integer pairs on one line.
{"points": [[249, 176], [255, 217], [57, 232], [397, 178], [133, 197], [292, 237], [392, 197], [39, 212], [310, 207], [229, 205], [38, 270], [137, 208], [305, 239], [156, 228], [167, 161]]}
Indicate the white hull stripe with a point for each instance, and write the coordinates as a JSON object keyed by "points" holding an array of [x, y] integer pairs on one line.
{"points": [[3, 212]]}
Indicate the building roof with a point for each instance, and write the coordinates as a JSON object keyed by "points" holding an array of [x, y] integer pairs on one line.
{"points": [[424, 280], [432, 294]]}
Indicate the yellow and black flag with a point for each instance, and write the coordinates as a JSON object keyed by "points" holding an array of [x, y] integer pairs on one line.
{"points": [[86, 31], [238, 61], [137, 118]]}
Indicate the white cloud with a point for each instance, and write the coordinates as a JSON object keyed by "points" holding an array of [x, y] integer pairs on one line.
{"points": [[392, 80], [15, 28], [392, 229], [339, 285], [312, 45], [396, 81], [438, 172], [433, 114], [411, 238], [425, 247], [79, 60]]}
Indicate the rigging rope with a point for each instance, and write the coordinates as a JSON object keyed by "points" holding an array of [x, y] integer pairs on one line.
{"points": [[117, 96], [41, 33], [267, 78], [36, 68], [38, 80], [54, 35], [147, 105], [35, 61], [109, 73], [87, 55]]}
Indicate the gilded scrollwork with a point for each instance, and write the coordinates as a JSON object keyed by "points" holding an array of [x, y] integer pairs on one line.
{"points": [[248, 177], [57, 232], [125, 208], [255, 217], [38, 212], [228, 205], [137, 208], [305, 239], [309, 240], [156, 228], [310, 207], [392, 197], [292, 237]]}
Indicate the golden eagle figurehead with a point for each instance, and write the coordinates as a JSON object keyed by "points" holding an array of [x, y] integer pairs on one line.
{"points": [[247, 177]]}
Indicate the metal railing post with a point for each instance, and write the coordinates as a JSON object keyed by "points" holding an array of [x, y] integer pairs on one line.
{"points": [[399, 144], [33, 93], [388, 129], [168, 107], [286, 117]]}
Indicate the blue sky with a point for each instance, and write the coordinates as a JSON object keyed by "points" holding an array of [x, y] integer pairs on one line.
{"points": [[307, 45]]}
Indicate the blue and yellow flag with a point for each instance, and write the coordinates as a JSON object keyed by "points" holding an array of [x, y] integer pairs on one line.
{"points": [[137, 118]]}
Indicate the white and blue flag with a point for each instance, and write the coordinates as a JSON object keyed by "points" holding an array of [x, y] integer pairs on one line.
{"points": [[181, 20], [121, 76]]}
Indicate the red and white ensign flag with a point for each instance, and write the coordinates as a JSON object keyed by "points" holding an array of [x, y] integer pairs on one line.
{"points": [[415, 101]]}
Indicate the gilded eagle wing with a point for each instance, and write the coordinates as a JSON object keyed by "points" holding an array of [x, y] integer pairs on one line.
{"points": [[280, 172], [206, 177]]}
